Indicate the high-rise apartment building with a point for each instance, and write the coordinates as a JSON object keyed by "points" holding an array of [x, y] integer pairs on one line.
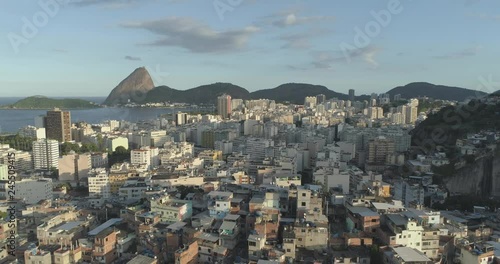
{"points": [[310, 101], [45, 154], [411, 114], [320, 98], [351, 95], [180, 118], [378, 149], [224, 106], [58, 125]]}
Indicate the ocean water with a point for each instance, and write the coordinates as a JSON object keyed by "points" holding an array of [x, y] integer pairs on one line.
{"points": [[11, 120], [11, 100]]}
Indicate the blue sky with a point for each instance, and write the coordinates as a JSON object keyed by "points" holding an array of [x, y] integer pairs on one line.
{"points": [[86, 47]]}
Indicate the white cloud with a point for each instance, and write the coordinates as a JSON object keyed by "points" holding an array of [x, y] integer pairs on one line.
{"points": [[292, 19], [193, 35]]}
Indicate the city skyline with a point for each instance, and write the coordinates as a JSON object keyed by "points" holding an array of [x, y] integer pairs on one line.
{"points": [[185, 44]]}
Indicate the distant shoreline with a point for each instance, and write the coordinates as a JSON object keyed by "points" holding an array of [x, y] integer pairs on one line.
{"points": [[47, 108]]}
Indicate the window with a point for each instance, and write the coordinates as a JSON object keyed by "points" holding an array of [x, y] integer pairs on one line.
{"points": [[303, 194], [288, 250], [303, 203], [300, 239]]}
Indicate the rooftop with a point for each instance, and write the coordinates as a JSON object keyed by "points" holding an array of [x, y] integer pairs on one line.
{"points": [[363, 211], [410, 255], [226, 225], [141, 259], [105, 233], [232, 217], [397, 219], [209, 237], [109, 223], [256, 238], [176, 226], [67, 226]]}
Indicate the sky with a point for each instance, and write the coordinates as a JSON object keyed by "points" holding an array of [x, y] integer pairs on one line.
{"points": [[86, 47]]}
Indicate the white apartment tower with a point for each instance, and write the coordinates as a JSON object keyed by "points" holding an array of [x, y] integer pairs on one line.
{"points": [[99, 185], [45, 154]]}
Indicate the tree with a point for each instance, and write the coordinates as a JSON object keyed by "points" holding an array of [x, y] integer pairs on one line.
{"points": [[120, 150], [67, 147], [88, 147], [100, 142], [120, 155]]}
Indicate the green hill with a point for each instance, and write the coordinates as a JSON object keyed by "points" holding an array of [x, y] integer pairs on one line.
{"points": [[41, 102], [417, 89], [296, 93], [206, 94]]}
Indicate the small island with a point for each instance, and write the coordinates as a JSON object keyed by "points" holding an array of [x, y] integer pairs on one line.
{"points": [[45, 103]]}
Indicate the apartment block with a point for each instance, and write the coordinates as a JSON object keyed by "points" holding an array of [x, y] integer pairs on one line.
{"points": [[73, 167], [46, 154], [58, 125]]}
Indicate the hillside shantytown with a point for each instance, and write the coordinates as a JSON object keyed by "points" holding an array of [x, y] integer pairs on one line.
{"points": [[258, 181]]}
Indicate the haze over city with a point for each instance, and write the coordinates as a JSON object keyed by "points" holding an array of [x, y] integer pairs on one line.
{"points": [[84, 48]]}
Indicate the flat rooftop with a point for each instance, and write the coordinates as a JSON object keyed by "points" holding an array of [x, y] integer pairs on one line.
{"points": [[109, 223], [397, 219], [410, 255], [140, 259], [363, 211], [176, 226], [67, 226]]}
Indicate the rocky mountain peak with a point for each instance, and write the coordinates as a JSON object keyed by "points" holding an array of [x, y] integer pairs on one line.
{"points": [[132, 89]]}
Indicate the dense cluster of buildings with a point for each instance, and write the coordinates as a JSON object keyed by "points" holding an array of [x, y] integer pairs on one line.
{"points": [[260, 182]]}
